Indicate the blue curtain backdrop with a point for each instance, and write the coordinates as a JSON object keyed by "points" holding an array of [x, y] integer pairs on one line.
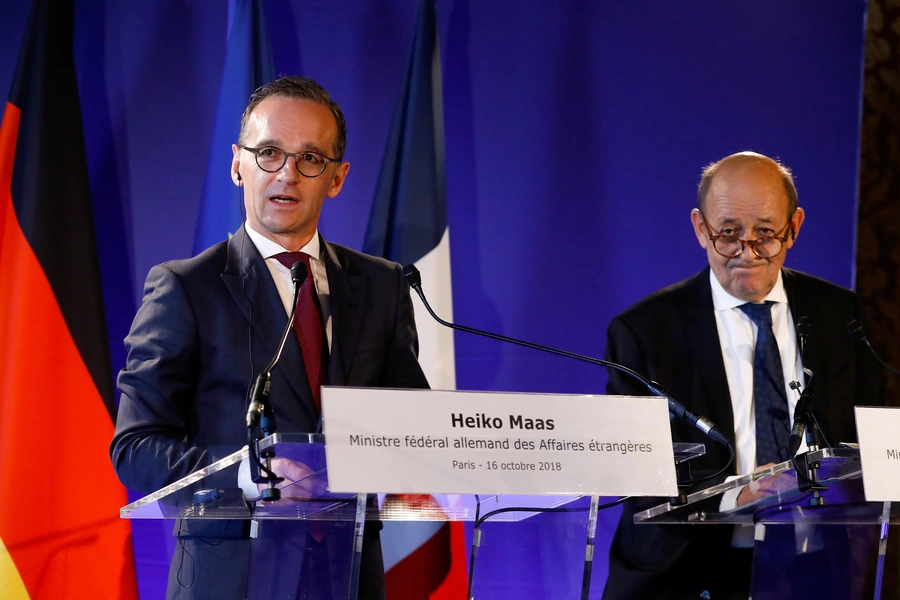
{"points": [[575, 133]]}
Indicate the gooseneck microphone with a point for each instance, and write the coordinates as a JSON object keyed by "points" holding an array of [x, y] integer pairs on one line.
{"points": [[259, 394], [804, 408], [676, 407], [260, 410], [859, 335]]}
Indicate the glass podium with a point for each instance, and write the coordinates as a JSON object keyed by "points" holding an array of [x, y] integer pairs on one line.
{"points": [[309, 529], [807, 542]]}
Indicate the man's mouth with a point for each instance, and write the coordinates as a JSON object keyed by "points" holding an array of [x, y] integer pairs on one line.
{"points": [[753, 265], [282, 199]]}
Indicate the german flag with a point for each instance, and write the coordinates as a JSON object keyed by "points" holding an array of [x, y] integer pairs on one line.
{"points": [[60, 532]]}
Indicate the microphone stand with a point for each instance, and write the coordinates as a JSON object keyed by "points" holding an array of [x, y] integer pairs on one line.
{"points": [[804, 422], [676, 407], [260, 409], [813, 442], [859, 335]]}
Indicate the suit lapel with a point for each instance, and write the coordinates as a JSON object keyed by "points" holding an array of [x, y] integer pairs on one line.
{"points": [[348, 299], [703, 336], [248, 280]]}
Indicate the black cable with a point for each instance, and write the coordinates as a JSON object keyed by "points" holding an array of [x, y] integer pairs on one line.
{"points": [[246, 299], [500, 511], [254, 456], [476, 542], [717, 473], [800, 472], [677, 408], [209, 541], [480, 520], [821, 432]]}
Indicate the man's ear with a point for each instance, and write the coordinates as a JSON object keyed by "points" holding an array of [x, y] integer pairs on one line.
{"points": [[796, 222], [699, 228], [236, 165], [337, 181]]}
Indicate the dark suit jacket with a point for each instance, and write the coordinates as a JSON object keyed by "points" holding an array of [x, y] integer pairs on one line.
{"points": [[209, 324], [671, 337]]}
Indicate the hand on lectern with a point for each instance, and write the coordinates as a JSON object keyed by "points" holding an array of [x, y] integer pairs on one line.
{"points": [[770, 486], [299, 479]]}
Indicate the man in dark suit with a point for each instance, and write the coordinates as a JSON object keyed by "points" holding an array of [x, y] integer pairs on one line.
{"points": [[209, 324], [696, 340]]}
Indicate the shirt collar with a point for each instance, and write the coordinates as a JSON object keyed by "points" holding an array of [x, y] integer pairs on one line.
{"points": [[722, 300], [267, 248]]}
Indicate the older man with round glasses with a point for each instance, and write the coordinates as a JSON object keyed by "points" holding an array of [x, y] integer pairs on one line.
{"points": [[709, 339]]}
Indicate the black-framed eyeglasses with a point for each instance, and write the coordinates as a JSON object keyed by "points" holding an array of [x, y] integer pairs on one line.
{"points": [[731, 246], [271, 159]]}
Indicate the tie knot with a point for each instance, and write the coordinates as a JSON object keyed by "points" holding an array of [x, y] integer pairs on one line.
{"points": [[761, 314], [289, 258]]}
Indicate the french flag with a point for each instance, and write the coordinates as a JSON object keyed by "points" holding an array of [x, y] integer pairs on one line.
{"points": [[408, 224]]}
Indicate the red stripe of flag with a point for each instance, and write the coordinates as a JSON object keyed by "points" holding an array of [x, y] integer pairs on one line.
{"points": [[430, 572], [59, 497]]}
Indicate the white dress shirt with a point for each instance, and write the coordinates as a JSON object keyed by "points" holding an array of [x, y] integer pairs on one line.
{"points": [[737, 338]]}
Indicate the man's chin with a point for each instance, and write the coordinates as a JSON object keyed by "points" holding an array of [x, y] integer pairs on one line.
{"points": [[751, 292]]}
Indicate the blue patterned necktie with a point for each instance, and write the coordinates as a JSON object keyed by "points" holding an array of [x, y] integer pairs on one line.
{"points": [[769, 397]]}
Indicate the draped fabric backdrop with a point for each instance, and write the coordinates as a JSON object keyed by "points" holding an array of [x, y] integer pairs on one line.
{"points": [[878, 243], [878, 237], [575, 134]]}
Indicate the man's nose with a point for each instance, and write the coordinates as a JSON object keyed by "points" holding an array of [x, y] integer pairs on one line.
{"points": [[289, 172], [747, 253]]}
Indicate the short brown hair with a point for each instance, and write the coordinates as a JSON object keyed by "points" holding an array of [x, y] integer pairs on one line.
{"points": [[301, 88], [709, 172]]}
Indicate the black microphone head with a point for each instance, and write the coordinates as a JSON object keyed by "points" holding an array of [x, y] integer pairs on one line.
{"points": [[803, 326], [298, 272], [412, 275], [856, 331]]}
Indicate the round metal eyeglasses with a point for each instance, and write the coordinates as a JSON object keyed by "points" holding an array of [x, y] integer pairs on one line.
{"points": [[272, 158]]}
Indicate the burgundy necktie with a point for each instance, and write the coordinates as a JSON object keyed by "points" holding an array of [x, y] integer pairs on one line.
{"points": [[308, 326]]}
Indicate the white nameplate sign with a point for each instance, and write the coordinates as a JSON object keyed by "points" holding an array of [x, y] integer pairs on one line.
{"points": [[878, 432], [447, 442]]}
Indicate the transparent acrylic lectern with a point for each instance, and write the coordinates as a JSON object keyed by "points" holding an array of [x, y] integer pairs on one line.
{"points": [[822, 544], [311, 529]]}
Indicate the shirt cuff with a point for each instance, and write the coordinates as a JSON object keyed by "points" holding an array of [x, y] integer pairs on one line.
{"points": [[729, 498], [245, 480]]}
